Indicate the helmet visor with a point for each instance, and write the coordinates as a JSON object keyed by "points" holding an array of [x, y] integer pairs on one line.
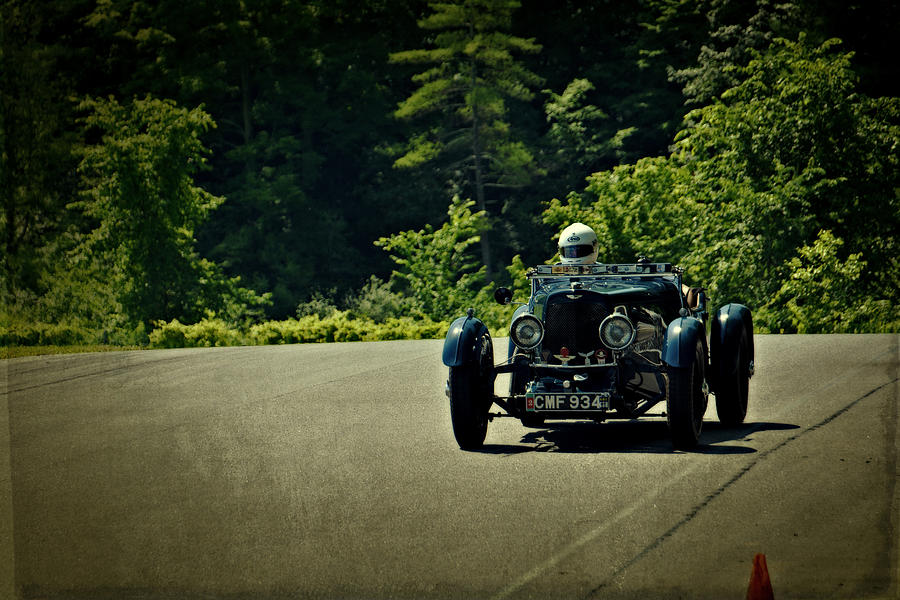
{"points": [[578, 251]]}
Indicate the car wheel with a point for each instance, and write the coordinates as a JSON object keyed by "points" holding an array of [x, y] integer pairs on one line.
{"points": [[733, 389], [686, 402], [470, 399]]}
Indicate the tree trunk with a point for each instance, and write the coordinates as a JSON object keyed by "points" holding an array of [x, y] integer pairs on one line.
{"points": [[245, 102], [10, 246], [479, 178]]}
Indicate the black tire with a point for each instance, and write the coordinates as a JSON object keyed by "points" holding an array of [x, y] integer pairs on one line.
{"points": [[686, 403], [733, 389], [471, 397]]}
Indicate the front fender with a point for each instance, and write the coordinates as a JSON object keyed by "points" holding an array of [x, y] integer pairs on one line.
{"points": [[679, 347], [462, 340], [725, 334]]}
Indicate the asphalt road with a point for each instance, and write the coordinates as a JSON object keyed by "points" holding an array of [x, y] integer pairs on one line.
{"points": [[330, 471]]}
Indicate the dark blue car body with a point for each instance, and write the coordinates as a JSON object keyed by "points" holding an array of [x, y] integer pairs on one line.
{"points": [[599, 342]]}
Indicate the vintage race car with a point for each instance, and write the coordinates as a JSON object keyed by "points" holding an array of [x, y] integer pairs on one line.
{"points": [[603, 341]]}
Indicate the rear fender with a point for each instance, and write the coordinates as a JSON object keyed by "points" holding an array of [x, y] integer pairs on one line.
{"points": [[679, 347], [462, 341], [725, 335]]}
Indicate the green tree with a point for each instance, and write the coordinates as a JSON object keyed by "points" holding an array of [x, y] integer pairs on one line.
{"points": [[301, 93], [790, 151], [145, 207], [440, 276], [254, 67], [36, 157], [798, 150], [639, 209], [826, 294], [671, 34], [436, 266], [576, 134], [606, 64], [736, 28], [465, 95], [304, 94]]}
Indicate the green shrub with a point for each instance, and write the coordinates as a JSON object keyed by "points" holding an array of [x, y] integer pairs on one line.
{"points": [[408, 328], [826, 293], [341, 327], [44, 334], [208, 332], [376, 301], [438, 268], [318, 305]]}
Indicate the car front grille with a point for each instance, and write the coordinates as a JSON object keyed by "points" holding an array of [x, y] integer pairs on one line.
{"points": [[573, 324]]}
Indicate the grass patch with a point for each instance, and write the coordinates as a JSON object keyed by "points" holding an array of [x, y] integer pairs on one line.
{"points": [[19, 351]]}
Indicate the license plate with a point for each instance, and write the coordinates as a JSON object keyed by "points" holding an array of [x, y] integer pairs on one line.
{"points": [[567, 402]]}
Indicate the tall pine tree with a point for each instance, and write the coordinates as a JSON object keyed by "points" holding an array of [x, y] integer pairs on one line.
{"points": [[464, 98]]}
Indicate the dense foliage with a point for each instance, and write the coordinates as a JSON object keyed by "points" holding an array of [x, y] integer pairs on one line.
{"points": [[281, 170], [790, 173], [472, 76]]}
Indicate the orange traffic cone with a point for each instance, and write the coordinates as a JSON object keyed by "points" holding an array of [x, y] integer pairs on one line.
{"points": [[760, 586]]}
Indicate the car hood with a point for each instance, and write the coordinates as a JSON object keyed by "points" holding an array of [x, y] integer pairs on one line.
{"points": [[620, 290]]}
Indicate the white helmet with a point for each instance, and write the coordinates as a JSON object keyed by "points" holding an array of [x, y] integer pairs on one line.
{"points": [[578, 245]]}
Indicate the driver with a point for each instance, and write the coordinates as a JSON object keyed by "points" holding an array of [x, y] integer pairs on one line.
{"points": [[578, 245]]}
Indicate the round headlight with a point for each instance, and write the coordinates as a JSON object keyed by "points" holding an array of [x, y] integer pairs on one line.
{"points": [[616, 331], [526, 331]]}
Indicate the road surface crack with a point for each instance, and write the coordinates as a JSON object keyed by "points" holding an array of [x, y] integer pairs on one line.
{"points": [[692, 514]]}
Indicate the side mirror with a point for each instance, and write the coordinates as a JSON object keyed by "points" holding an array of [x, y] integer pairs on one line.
{"points": [[503, 295]]}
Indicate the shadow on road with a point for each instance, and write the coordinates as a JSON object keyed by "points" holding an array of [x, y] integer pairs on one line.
{"points": [[643, 436]]}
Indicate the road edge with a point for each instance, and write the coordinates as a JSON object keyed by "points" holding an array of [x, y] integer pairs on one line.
{"points": [[892, 434], [7, 544]]}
